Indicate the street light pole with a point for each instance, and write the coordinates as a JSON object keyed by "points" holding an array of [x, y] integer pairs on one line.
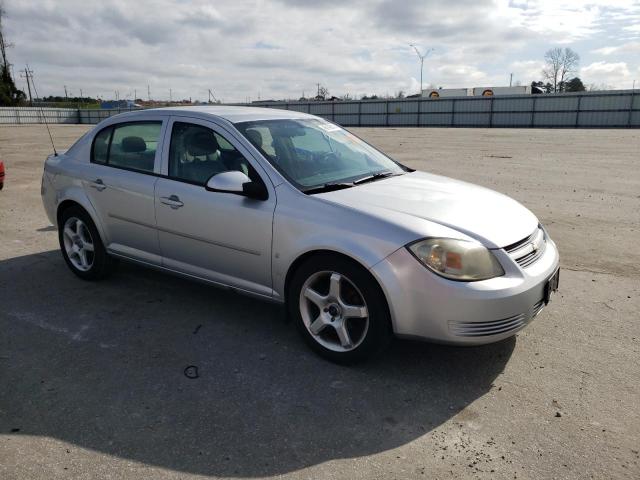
{"points": [[421, 56]]}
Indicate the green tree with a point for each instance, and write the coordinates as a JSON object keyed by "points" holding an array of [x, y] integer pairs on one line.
{"points": [[574, 85], [9, 94]]}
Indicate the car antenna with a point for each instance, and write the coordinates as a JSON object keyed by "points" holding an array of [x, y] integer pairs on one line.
{"points": [[33, 84]]}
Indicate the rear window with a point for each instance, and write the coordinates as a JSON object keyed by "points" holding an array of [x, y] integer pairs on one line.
{"points": [[130, 145]]}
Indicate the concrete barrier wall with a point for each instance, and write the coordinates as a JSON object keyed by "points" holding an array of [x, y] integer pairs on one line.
{"points": [[606, 109]]}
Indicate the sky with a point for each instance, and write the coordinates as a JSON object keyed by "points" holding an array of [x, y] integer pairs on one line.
{"points": [[250, 50]]}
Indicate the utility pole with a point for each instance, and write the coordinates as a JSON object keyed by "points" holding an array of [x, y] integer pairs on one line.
{"points": [[28, 75], [148, 93], [421, 56], [135, 94], [170, 96], [511, 80], [65, 93]]}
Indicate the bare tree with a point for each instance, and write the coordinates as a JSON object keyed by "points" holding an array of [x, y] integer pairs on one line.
{"points": [[323, 92], [560, 65]]}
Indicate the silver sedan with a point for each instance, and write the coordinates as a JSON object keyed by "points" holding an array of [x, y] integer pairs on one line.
{"points": [[292, 208]]}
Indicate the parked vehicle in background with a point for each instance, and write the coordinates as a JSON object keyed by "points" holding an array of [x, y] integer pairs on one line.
{"points": [[2, 174], [289, 207]]}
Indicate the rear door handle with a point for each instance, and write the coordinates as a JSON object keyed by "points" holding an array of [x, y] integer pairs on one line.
{"points": [[173, 201], [98, 184]]}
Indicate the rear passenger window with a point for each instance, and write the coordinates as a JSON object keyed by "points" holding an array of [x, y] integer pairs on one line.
{"points": [[197, 153], [134, 145], [129, 145]]}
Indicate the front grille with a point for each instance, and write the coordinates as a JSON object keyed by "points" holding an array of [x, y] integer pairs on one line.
{"points": [[530, 258], [528, 250], [515, 246], [495, 327]]}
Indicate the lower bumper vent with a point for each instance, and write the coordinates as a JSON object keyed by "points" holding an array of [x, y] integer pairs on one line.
{"points": [[537, 308], [495, 327]]}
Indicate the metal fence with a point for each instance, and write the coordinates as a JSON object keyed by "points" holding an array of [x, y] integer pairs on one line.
{"points": [[30, 115], [610, 109], [614, 109]]}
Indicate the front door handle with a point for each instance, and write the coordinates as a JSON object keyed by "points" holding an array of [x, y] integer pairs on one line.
{"points": [[98, 184], [173, 201]]}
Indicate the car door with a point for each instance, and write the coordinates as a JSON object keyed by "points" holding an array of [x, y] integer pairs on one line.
{"points": [[120, 182], [222, 237]]}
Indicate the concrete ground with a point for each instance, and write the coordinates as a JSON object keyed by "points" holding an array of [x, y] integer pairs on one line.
{"points": [[92, 380]]}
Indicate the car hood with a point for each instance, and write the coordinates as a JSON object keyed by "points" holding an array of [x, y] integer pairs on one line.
{"points": [[487, 216]]}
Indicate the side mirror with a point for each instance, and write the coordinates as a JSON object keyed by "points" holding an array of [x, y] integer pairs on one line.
{"points": [[238, 183]]}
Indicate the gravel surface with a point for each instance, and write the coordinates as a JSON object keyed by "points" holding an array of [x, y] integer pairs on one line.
{"points": [[92, 375]]}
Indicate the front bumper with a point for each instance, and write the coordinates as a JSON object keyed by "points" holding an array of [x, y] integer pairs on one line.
{"points": [[424, 305]]}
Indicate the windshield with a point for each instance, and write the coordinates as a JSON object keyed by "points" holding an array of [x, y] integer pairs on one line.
{"points": [[312, 153]]}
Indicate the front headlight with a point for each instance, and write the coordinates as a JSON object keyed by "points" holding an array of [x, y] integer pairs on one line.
{"points": [[457, 259]]}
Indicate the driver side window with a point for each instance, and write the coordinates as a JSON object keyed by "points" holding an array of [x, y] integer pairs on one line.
{"points": [[196, 153]]}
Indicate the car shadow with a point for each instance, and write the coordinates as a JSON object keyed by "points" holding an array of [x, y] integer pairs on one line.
{"points": [[103, 365]]}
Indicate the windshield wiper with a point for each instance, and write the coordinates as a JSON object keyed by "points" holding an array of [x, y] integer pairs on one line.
{"points": [[375, 176], [328, 187]]}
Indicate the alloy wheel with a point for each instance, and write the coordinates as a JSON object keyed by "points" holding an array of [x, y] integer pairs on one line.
{"points": [[334, 311], [78, 244]]}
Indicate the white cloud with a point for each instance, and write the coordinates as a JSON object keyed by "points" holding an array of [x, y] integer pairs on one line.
{"points": [[565, 21], [282, 48], [524, 70], [631, 48], [615, 74], [633, 28]]}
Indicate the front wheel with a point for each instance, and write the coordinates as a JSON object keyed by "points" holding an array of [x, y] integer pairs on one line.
{"points": [[339, 309]]}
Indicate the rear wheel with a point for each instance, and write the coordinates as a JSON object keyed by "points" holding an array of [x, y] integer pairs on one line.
{"points": [[339, 309], [81, 245]]}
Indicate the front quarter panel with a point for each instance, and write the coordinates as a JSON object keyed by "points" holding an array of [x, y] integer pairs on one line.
{"points": [[305, 223]]}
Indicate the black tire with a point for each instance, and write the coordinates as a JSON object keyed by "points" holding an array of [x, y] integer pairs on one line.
{"points": [[379, 333], [102, 263]]}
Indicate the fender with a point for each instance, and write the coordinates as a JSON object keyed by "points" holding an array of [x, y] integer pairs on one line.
{"points": [[305, 223], [282, 270]]}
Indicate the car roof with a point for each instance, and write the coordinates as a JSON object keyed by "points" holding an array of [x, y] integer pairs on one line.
{"points": [[233, 114]]}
